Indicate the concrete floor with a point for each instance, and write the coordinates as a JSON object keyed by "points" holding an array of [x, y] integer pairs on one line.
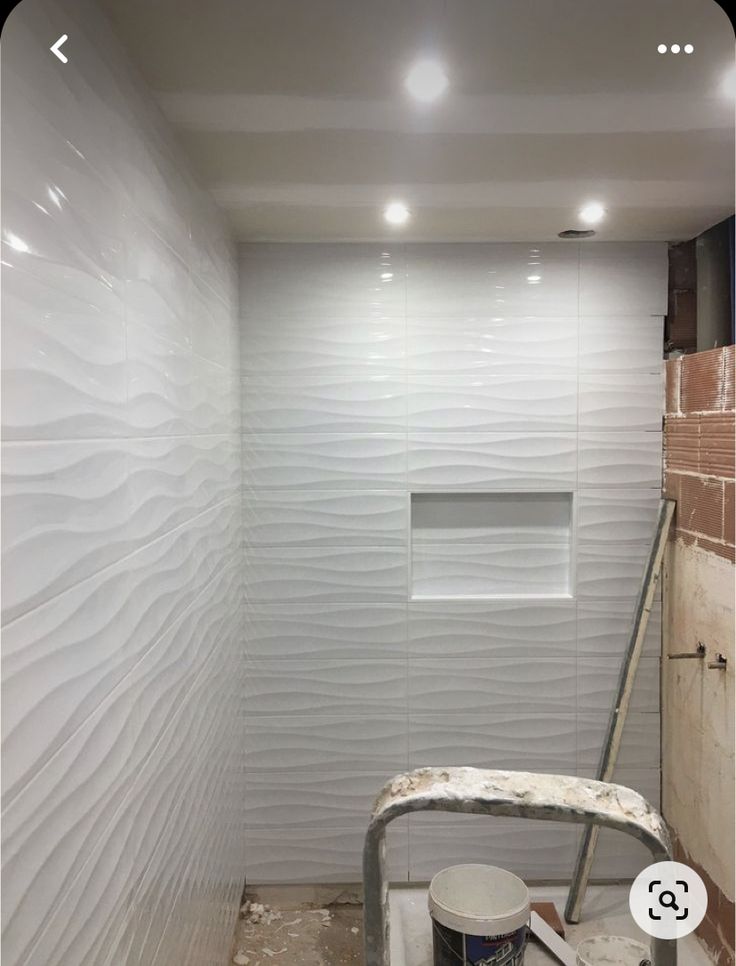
{"points": [[323, 927]]}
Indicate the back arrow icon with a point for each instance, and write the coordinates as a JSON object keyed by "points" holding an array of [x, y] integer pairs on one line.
{"points": [[54, 48]]}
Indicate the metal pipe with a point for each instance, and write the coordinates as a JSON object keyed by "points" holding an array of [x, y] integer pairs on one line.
{"points": [[698, 653]]}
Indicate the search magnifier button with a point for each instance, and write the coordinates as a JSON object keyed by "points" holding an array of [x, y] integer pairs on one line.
{"points": [[668, 900], [671, 902]]}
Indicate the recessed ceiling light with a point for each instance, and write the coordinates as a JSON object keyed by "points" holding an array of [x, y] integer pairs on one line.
{"points": [[592, 213], [534, 278], [396, 213], [427, 81]]}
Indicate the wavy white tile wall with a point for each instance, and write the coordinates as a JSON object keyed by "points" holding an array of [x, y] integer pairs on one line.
{"points": [[370, 372], [122, 576]]}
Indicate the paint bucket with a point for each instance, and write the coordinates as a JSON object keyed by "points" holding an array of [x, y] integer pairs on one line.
{"points": [[612, 951], [480, 916]]}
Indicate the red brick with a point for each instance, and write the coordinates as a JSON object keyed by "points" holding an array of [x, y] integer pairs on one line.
{"points": [[725, 550], [729, 512], [672, 386], [729, 361], [681, 443], [717, 445], [687, 539], [701, 382], [700, 507]]}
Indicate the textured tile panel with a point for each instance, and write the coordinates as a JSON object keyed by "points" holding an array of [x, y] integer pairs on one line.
{"points": [[491, 404], [318, 518], [620, 459], [286, 855], [298, 742], [623, 278], [604, 627], [448, 570], [606, 344], [297, 462], [619, 856], [617, 516], [491, 279], [447, 686], [598, 680], [323, 631], [639, 747], [173, 480], [531, 850], [491, 461], [281, 281], [122, 840], [63, 361], [311, 346], [606, 571], [531, 742], [95, 634], [495, 344], [350, 402], [312, 800], [359, 687], [523, 629], [158, 290], [622, 403], [65, 510], [325, 574], [83, 788]]}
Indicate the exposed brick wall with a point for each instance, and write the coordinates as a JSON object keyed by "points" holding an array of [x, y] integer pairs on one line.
{"points": [[699, 473], [699, 448]]}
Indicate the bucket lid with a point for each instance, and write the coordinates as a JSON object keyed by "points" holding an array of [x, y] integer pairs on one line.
{"points": [[478, 900], [612, 951]]}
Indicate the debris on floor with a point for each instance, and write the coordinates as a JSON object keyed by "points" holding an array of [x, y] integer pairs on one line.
{"points": [[303, 932], [257, 912]]}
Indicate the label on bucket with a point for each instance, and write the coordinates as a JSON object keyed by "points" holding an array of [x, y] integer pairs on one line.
{"points": [[453, 948], [505, 950]]}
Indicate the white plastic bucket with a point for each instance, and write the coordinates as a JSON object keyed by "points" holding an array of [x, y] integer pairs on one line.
{"points": [[480, 916], [612, 951]]}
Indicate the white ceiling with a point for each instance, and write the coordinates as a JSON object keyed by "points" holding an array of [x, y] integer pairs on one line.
{"points": [[294, 113]]}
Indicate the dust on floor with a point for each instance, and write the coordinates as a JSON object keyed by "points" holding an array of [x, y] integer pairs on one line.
{"points": [[299, 932]]}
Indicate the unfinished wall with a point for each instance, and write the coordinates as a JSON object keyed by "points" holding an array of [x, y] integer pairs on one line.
{"points": [[698, 702], [121, 556], [461, 630]]}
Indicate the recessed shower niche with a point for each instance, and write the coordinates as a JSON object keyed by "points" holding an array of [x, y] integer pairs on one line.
{"points": [[491, 544]]}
